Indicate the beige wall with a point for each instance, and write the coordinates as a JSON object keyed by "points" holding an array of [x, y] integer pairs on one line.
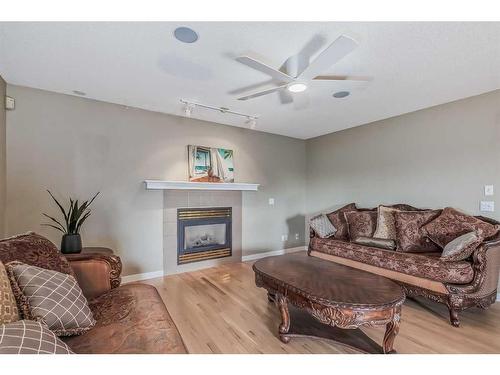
{"points": [[436, 157], [3, 183], [77, 146]]}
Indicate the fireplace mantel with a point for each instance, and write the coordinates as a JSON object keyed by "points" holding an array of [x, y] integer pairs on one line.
{"points": [[184, 185]]}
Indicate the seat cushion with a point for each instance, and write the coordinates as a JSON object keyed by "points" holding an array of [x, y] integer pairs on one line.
{"points": [[429, 267], [130, 319], [35, 250]]}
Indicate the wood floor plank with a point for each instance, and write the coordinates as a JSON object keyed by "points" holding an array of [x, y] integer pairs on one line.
{"points": [[220, 310]]}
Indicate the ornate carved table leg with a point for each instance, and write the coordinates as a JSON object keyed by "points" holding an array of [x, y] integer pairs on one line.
{"points": [[391, 332], [285, 317]]}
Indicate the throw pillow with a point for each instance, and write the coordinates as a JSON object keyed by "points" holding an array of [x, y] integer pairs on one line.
{"points": [[338, 220], [8, 306], [461, 247], [376, 242], [453, 223], [51, 297], [360, 223], [322, 226], [386, 226], [410, 236], [29, 337], [33, 249]]}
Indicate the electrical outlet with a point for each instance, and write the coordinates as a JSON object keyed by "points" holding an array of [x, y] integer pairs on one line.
{"points": [[488, 190], [271, 201], [487, 206], [284, 237], [297, 236]]}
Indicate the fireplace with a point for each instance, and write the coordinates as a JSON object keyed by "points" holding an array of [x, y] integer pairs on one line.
{"points": [[203, 233]]}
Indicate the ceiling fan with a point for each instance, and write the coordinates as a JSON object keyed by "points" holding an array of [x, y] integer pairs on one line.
{"points": [[297, 73]]}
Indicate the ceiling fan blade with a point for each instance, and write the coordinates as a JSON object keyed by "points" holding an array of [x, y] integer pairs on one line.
{"points": [[264, 68], [330, 56], [253, 87], [261, 93], [344, 78]]}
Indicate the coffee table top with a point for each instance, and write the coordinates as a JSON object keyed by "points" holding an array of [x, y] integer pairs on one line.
{"points": [[326, 281]]}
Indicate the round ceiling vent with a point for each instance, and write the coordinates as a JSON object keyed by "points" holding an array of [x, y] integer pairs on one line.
{"points": [[185, 35], [341, 94]]}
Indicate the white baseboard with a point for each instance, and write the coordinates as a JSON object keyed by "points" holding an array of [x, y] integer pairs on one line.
{"points": [[141, 276], [246, 258]]}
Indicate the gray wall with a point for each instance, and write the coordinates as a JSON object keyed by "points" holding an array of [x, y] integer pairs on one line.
{"points": [[3, 166], [436, 157], [77, 146]]}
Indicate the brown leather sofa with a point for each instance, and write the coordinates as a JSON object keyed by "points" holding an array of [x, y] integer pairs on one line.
{"points": [[131, 318], [459, 285]]}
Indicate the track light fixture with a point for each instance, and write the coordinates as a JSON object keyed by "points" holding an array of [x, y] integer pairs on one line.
{"points": [[251, 122], [189, 107]]}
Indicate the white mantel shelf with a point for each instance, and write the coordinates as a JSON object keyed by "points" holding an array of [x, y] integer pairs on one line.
{"points": [[184, 185]]}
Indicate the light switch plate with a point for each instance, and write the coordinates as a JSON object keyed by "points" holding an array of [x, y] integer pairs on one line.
{"points": [[487, 206], [488, 190]]}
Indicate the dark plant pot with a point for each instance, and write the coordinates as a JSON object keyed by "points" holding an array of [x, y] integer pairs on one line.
{"points": [[71, 244]]}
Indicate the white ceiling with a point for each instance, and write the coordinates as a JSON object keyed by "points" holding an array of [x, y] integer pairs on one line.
{"points": [[414, 65]]}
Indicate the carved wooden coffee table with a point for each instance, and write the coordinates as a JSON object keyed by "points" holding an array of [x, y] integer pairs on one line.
{"points": [[340, 298]]}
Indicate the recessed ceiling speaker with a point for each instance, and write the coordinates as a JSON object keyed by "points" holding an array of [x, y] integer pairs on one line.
{"points": [[185, 35], [341, 94]]}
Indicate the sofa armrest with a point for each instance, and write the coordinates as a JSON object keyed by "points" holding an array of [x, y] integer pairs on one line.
{"points": [[96, 273], [486, 264]]}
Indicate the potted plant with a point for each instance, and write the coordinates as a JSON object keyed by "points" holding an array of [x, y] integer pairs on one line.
{"points": [[73, 220]]}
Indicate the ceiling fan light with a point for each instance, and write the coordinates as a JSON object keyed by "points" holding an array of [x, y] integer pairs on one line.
{"points": [[297, 87]]}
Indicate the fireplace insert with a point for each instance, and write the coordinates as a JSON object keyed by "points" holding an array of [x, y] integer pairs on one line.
{"points": [[203, 233]]}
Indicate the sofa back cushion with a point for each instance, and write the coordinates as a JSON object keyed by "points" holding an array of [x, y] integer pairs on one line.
{"points": [[360, 223], [410, 236], [453, 223], [338, 220], [35, 250]]}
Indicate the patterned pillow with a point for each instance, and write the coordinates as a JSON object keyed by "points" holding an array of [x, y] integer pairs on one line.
{"points": [[8, 307], [361, 223], [51, 297], [411, 238], [386, 225], [461, 247], [452, 224], [322, 226], [338, 220], [29, 337], [36, 250], [381, 243]]}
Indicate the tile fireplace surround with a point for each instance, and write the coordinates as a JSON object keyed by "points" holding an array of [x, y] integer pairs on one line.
{"points": [[174, 199]]}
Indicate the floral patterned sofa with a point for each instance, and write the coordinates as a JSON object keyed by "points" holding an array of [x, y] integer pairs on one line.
{"points": [[471, 282]]}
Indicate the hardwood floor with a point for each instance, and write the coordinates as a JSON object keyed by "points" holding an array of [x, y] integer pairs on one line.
{"points": [[220, 310]]}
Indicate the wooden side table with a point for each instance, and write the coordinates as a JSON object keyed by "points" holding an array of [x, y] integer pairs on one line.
{"points": [[97, 270], [93, 250]]}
